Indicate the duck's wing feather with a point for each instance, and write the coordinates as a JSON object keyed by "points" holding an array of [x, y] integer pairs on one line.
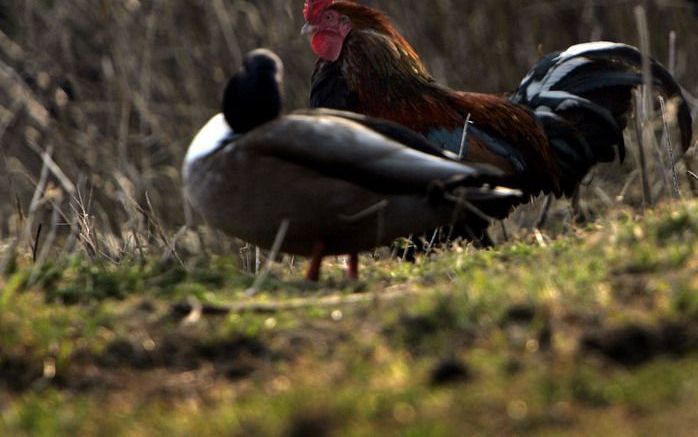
{"points": [[390, 129], [343, 148]]}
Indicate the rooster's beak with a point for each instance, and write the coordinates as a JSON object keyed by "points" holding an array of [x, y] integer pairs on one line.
{"points": [[308, 29]]}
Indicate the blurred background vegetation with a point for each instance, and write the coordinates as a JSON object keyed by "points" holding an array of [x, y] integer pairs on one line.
{"points": [[110, 92]]}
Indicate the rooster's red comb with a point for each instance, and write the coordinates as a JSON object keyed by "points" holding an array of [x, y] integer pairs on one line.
{"points": [[313, 8]]}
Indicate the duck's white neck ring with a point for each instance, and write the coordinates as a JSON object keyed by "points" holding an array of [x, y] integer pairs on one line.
{"points": [[213, 135]]}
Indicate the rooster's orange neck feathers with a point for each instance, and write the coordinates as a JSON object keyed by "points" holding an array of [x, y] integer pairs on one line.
{"points": [[368, 20]]}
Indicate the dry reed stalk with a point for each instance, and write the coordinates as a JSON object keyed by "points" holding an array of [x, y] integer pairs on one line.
{"points": [[9, 117], [40, 261], [86, 233], [35, 245], [670, 149], [644, 107], [688, 162], [672, 53], [227, 27], [603, 195], [70, 243], [464, 138], [432, 242], [34, 205], [628, 183], [543, 214], [692, 182], [371, 210], [146, 117], [463, 205], [409, 245], [6, 120], [576, 204], [53, 167], [10, 48], [169, 243], [135, 223], [245, 258], [505, 231], [642, 159], [273, 253], [20, 92]]}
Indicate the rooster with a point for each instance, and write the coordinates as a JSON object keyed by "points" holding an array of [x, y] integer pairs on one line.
{"points": [[567, 114]]}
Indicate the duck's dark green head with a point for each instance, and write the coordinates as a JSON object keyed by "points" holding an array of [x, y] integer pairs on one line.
{"points": [[253, 96]]}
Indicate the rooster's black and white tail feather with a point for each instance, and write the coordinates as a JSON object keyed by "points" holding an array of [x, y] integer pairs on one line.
{"points": [[582, 97]]}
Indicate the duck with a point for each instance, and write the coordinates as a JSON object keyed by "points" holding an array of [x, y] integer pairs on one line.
{"points": [[337, 183]]}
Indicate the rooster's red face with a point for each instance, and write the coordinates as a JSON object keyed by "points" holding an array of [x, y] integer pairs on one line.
{"points": [[326, 28]]}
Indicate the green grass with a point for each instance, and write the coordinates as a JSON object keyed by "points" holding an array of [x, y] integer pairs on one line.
{"points": [[588, 334]]}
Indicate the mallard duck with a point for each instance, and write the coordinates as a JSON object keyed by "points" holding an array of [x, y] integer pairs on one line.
{"points": [[337, 182]]}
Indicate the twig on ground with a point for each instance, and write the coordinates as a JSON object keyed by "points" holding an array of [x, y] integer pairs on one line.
{"points": [[266, 307]]}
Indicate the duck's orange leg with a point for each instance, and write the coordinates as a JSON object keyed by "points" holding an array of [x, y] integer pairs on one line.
{"points": [[353, 267], [313, 273]]}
